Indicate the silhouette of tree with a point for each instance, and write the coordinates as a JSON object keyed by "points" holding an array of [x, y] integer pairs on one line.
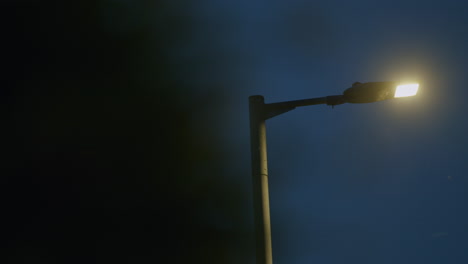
{"points": [[102, 157]]}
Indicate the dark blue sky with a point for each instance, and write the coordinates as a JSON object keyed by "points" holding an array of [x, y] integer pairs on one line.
{"points": [[373, 183]]}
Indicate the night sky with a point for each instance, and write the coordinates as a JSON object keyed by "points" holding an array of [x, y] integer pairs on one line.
{"points": [[127, 131]]}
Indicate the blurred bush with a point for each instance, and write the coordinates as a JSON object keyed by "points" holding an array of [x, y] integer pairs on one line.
{"points": [[102, 158]]}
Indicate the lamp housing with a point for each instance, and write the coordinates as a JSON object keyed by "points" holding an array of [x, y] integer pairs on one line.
{"points": [[378, 91]]}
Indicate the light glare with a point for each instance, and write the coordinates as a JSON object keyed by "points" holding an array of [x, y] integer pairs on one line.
{"points": [[406, 90]]}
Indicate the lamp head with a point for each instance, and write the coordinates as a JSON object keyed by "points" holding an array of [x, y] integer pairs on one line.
{"points": [[377, 91]]}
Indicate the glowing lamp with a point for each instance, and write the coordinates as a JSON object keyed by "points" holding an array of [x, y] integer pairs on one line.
{"points": [[405, 90], [377, 91]]}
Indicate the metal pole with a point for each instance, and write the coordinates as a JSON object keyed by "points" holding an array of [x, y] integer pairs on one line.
{"points": [[260, 179]]}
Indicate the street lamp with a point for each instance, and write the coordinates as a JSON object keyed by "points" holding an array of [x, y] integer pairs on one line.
{"points": [[259, 112]]}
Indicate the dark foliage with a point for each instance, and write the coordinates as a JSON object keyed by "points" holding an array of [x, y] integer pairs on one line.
{"points": [[101, 159]]}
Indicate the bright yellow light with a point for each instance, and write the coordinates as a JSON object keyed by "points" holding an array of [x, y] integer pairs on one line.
{"points": [[406, 90]]}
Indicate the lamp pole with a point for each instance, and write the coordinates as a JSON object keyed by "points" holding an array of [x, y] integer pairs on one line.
{"points": [[260, 180], [260, 112]]}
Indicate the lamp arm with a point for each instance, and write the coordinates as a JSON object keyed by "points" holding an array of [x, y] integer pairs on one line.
{"points": [[275, 109]]}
